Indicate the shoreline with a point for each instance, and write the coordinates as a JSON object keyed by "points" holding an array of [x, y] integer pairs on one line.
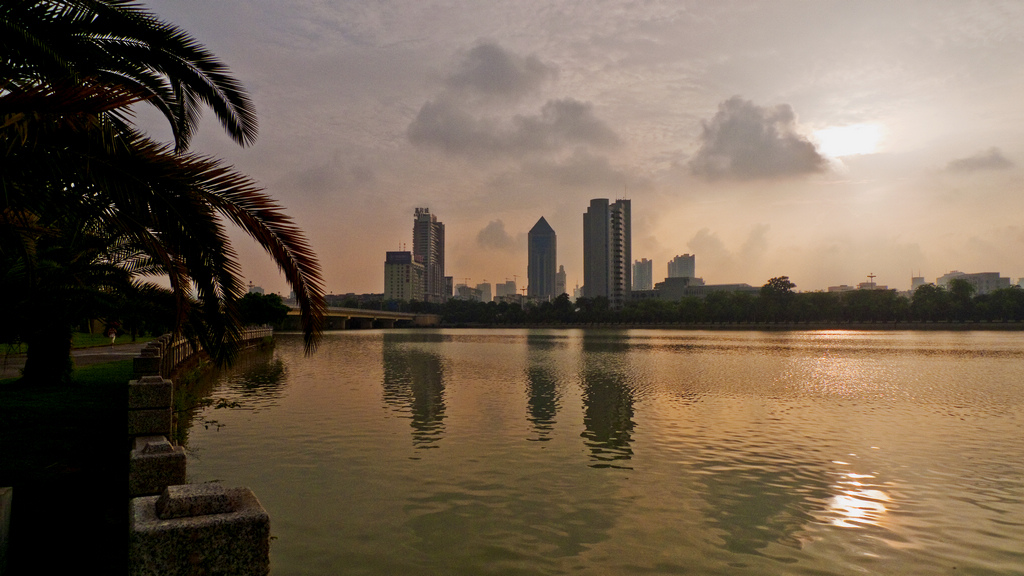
{"points": [[768, 326]]}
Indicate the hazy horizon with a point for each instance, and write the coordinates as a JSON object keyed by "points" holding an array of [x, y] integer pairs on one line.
{"points": [[817, 140]]}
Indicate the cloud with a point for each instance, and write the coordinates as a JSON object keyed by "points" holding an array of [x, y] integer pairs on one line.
{"points": [[745, 141], [710, 247], [491, 71], [493, 236], [991, 159], [581, 170], [729, 264], [444, 124], [328, 178]]}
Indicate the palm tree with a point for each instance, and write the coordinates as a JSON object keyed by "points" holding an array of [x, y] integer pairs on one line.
{"points": [[75, 167], [63, 43]]}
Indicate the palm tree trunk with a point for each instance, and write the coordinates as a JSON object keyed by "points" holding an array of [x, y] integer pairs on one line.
{"points": [[48, 360]]}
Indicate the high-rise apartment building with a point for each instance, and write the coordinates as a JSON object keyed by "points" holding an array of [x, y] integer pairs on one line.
{"points": [[540, 269], [403, 277], [607, 252], [643, 274], [682, 267], [428, 248]]}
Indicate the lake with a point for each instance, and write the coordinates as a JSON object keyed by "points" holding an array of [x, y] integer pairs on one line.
{"points": [[628, 452]]}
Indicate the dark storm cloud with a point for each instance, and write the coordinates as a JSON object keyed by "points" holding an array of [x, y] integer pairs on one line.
{"points": [[745, 141], [494, 236], [991, 159], [491, 71], [444, 124]]}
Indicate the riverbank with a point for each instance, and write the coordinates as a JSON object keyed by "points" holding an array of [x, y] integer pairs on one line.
{"points": [[762, 326]]}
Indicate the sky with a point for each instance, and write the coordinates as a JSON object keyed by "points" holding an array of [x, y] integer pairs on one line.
{"points": [[815, 139]]}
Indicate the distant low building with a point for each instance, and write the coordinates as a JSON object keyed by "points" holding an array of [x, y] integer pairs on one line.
{"points": [[485, 291], [502, 289], [679, 287], [651, 294], [841, 288], [464, 292], [336, 300], [983, 282], [255, 289]]}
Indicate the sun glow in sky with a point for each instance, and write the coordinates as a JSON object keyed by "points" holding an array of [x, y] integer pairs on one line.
{"points": [[839, 141]]}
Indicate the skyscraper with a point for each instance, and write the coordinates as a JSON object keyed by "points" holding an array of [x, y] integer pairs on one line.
{"points": [[643, 274], [560, 287], [682, 266], [540, 269], [428, 248], [607, 252]]}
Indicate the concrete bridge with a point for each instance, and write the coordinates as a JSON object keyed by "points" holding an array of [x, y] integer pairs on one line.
{"points": [[338, 318]]}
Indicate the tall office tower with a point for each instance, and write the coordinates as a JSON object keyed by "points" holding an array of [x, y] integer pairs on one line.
{"points": [[560, 281], [682, 267], [428, 248], [607, 253], [643, 274], [403, 277], [540, 268]]}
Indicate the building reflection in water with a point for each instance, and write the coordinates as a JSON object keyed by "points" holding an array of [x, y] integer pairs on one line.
{"points": [[607, 400], [542, 385], [414, 386], [759, 499]]}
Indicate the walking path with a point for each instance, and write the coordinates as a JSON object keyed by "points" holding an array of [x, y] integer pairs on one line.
{"points": [[10, 366]]}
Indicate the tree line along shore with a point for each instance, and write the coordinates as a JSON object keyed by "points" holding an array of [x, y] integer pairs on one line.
{"points": [[775, 305]]}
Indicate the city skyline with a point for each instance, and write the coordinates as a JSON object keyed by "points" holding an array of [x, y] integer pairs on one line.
{"points": [[879, 138]]}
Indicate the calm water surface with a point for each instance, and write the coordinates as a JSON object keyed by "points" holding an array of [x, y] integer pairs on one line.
{"points": [[629, 452]]}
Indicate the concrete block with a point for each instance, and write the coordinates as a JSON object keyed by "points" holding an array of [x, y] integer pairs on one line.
{"points": [[233, 542], [146, 365], [6, 495], [149, 422], [193, 500], [150, 392], [153, 465]]}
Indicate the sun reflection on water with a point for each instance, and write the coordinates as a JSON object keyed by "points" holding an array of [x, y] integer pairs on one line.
{"points": [[858, 503]]}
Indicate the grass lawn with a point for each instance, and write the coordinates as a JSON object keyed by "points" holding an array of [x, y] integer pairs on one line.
{"points": [[80, 340], [63, 451]]}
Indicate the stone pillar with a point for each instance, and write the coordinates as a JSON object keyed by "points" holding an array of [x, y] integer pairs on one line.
{"points": [[199, 529], [149, 407], [153, 465], [147, 363]]}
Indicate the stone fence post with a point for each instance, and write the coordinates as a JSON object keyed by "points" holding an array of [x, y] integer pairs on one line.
{"points": [[189, 528]]}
